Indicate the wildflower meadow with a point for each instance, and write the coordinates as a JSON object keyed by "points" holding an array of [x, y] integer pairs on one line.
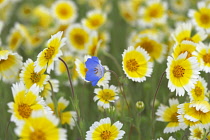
{"points": [[104, 69]]}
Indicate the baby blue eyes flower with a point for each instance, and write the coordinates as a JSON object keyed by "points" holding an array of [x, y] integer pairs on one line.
{"points": [[95, 70]]}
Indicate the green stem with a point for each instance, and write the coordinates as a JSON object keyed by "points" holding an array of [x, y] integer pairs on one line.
{"points": [[6, 132], [153, 104], [69, 76]]}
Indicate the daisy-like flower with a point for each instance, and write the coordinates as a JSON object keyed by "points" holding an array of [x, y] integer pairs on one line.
{"points": [[136, 64], [47, 91], [198, 93], [25, 102], [105, 79], [15, 37], [203, 56], [66, 117], [169, 114], [10, 65], [41, 127], [196, 132], [77, 37], [49, 55], [180, 5], [81, 68], [201, 17], [106, 95], [184, 46], [29, 77], [155, 49], [182, 73], [94, 20], [95, 71], [94, 44], [64, 11], [197, 112], [183, 31], [103, 130], [153, 13]]}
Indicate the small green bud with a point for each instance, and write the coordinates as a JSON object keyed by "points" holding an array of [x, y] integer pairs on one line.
{"points": [[140, 105]]}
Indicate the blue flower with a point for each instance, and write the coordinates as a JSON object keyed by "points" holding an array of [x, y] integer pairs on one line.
{"points": [[95, 70]]}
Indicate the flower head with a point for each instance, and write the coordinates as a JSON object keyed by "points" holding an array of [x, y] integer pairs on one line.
{"points": [[46, 58], [10, 65], [41, 127], [103, 130], [196, 132], [95, 70], [136, 64], [182, 73], [106, 95]]}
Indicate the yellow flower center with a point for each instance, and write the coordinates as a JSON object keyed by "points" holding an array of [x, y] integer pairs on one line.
{"points": [[38, 135], [79, 39], [198, 91], [132, 65], [105, 135], [106, 96], [35, 77], [178, 71], [188, 38], [49, 52], [153, 13], [147, 45], [24, 110], [204, 18], [63, 11], [95, 22], [206, 58], [174, 117], [198, 134]]}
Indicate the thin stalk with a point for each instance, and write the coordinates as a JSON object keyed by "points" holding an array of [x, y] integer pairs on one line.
{"points": [[54, 99], [153, 104], [122, 91], [69, 76]]}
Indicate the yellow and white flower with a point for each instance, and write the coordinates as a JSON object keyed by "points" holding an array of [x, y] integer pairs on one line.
{"points": [[106, 95], [180, 5], [47, 91], [29, 77], [136, 64], [198, 93], [25, 102], [64, 11], [77, 37], [106, 78], [41, 127], [182, 73], [153, 13], [184, 46], [66, 117], [169, 114], [49, 55], [196, 132], [10, 65], [104, 130], [183, 32], [201, 17], [94, 20], [203, 56], [155, 49]]}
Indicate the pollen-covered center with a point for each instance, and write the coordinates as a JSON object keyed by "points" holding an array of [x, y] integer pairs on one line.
{"points": [[198, 134], [38, 135], [132, 65], [174, 117], [105, 135], [79, 39], [205, 18], [198, 91], [147, 45], [35, 77], [64, 11], [106, 95], [49, 52], [95, 21], [24, 110], [178, 71], [206, 58]]}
